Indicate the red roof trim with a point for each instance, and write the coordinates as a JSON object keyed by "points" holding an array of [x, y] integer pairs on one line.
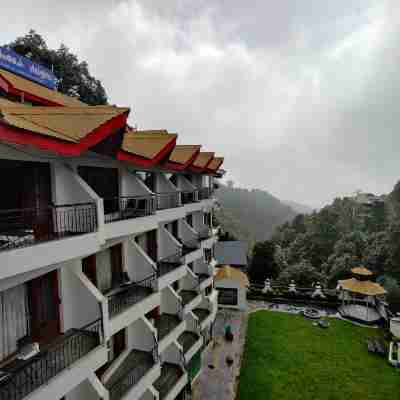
{"points": [[147, 162], [180, 167], [20, 136]]}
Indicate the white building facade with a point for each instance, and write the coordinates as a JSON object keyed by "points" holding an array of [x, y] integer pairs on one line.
{"points": [[106, 253]]}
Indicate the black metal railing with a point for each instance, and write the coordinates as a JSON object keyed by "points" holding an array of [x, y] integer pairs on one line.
{"points": [[204, 233], [23, 377], [168, 200], [190, 245], [28, 226], [190, 196], [138, 364], [131, 294], [127, 207], [205, 193], [166, 323], [170, 375], [170, 263]]}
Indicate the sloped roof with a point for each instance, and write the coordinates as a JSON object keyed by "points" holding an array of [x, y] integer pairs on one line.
{"points": [[67, 123], [367, 288], [361, 271], [203, 159], [21, 85], [215, 163], [231, 253], [227, 272], [147, 144], [183, 153]]}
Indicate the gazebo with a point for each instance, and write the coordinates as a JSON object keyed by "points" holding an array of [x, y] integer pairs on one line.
{"points": [[360, 297]]}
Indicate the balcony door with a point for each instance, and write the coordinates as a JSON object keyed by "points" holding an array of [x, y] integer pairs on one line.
{"points": [[45, 307]]}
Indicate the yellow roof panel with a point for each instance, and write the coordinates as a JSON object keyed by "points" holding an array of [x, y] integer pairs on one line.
{"points": [[361, 271], [367, 288], [216, 163], [66, 123], [203, 159], [26, 86], [146, 143], [228, 272], [183, 153]]}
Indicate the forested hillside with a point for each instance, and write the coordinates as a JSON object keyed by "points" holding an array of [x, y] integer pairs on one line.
{"points": [[251, 215], [325, 245]]}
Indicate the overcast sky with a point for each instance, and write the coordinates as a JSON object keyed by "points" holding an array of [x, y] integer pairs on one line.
{"points": [[300, 96]]}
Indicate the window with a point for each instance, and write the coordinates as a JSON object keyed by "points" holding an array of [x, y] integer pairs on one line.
{"points": [[228, 297]]}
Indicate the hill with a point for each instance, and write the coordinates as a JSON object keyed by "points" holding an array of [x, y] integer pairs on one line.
{"points": [[298, 207], [251, 215]]}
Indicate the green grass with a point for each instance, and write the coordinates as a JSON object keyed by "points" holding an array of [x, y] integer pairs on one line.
{"points": [[286, 357]]}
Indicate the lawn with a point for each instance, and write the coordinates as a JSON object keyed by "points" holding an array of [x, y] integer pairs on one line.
{"points": [[286, 357]]}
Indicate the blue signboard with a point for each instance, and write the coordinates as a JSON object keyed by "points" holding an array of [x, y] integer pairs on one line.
{"points": [[23, 66]]}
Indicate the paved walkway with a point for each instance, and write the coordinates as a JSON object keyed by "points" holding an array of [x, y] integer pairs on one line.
{"points": [[220, 381]]}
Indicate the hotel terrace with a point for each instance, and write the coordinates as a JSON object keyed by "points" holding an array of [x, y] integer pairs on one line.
{"points": [[106, 251]]}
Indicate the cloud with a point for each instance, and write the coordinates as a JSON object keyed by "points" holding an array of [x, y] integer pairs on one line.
{"points": [[301, 98]]}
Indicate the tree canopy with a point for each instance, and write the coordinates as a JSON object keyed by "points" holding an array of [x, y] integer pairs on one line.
{"points": [[73, 75]]}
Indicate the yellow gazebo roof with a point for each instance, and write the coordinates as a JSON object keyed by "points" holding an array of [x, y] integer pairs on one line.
{"points": [[367, 288], [361, 271], [228, 272]]}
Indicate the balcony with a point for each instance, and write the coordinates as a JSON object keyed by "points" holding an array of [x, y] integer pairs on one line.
{"points": [[125, 296], [189, 246], [22, 377], [191, 343], [168, 200], [187, 296], [128, 207], [169, 264], [190, 196], [171, 374], [203, 315], [166, 324], [205, 193], [205, 233], [131, 372], [27, 227]]}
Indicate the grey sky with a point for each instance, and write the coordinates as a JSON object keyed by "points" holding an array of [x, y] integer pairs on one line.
{"points": [[301, 96]]}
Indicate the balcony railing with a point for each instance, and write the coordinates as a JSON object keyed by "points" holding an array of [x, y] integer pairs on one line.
{"points": [[205, 193], [165, 324], [23, 377], [187, 340], [121, 208], [28, 226], [188, 296], [205, 233], [201, 313], [168, 200], [130, 294], [170, 375], [190, 196], [131, 371], [188, 246], [168, 264]]}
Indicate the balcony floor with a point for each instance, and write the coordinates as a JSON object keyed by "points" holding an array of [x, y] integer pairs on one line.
{"points": [[165, 268], [165, 324], [133, 368], [187, 296], [170, 375], [201, 313], [187, 340]]}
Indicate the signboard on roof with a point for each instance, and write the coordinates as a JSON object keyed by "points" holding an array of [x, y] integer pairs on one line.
{"points": [[24, 67]]}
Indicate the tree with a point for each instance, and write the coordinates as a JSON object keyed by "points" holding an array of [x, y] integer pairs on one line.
{"points": [[73, 75], [302, 273], [263, 264]]}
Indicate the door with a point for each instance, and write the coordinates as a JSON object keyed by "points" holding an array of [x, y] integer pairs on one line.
{"points": [[175, 229], [152, 244], [45, 311], [116, 265], [150, 181]]}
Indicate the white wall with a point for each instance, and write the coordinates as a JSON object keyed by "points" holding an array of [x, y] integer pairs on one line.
{"points": [[167, 245], [172, 355], [186, 232], [138, 265], [131, 185], [83, 391], [169, 301], [140, 336], [79, 306]]}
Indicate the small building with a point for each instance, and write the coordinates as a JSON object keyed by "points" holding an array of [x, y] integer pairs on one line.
{"points": [[361, 297], [231, 284], [232, 253]]}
